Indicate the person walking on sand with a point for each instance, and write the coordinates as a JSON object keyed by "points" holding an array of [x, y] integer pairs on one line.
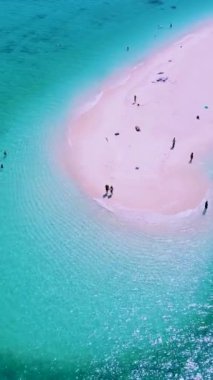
{"points": [[5, 154], [173, 143], [111, 192], [191, 157], [205, 207], [107, 190]]}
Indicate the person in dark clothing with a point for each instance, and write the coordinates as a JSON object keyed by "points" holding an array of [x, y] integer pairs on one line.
{"points": [[198, 117], [173, 143], [107, 190], [205, 207], [5, 154], [135, 99], [2, 166], [111, 192], [191, 157]]}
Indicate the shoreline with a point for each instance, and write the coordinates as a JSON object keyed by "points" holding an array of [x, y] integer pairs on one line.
{"points": [[119, 75], [93, 161]]}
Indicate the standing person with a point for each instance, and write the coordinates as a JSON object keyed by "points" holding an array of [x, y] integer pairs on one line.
{"points": [[5, 154], [191, 157], [111, 192], [173, 143], [135, 99], [205, 207], [107, 190]]}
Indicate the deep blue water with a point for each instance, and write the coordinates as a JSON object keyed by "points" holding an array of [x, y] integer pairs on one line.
{"points": [[82, 295]]}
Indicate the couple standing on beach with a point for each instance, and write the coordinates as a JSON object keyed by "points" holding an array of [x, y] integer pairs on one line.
{"points": [[108, 189]]}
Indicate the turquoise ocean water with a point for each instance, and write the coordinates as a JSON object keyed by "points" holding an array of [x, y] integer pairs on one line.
{"points": [[83, 296]]}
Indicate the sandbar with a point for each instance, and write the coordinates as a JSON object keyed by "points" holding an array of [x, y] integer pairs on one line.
{"points": [[174, 99]]}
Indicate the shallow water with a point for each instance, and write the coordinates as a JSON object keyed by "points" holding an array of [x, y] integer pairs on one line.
{"points": [[83, 296]]}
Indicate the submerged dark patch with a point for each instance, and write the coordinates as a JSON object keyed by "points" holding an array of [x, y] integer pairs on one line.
{"points": [[8, 48], [40, 16], [160, 361], [155, 2]]}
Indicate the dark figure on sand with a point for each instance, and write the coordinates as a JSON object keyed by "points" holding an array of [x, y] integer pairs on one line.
{"points": [[137, 129], [198, 117], [5, 154], [107, 190], [170, 25], [135, 99], [111, 192], [2, 166], [162, 79], [191, 157], [205, 207], [173, 143]]}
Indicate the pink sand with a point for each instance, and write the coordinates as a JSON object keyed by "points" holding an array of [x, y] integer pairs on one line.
{"points": [[165, 182]]}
